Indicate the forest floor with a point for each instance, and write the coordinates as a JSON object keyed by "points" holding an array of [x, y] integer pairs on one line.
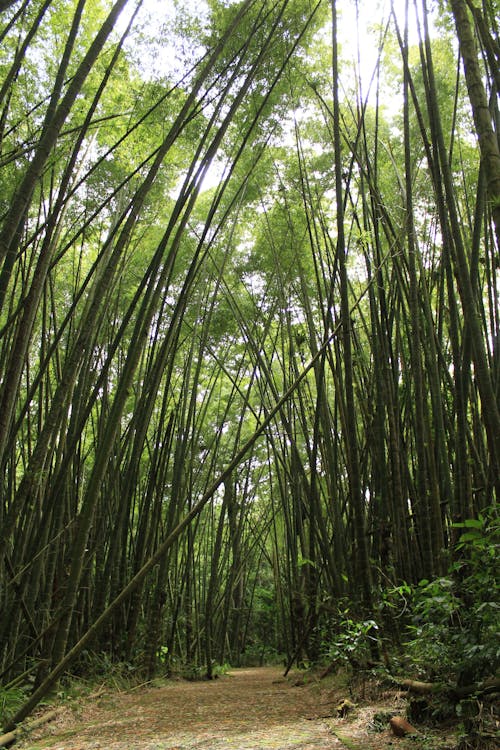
{"points": [[246, 709]]}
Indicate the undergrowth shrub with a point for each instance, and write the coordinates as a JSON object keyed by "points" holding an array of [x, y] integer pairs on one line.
{"points": [[352, 644], [11, 700], [454, 622], [100, 667]]}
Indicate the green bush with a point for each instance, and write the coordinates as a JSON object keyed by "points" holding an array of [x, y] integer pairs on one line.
{"points": [[11, 700], [454, 628], [352, 643]]}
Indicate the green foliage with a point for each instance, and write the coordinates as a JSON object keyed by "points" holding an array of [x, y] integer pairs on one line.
{"points": [[220, 669], [434, 606], [455, 617], [352, 642], [163, 655], [11, 699], [100, 667]]}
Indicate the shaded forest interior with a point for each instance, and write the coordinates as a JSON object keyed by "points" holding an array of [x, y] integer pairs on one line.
{"points": [[249, 338]]}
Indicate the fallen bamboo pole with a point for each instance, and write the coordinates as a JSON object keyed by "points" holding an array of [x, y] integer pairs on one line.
{"points": [[10, 737]]}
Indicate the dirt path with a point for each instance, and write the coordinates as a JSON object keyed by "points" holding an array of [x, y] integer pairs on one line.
{"points": [[247, 708]]}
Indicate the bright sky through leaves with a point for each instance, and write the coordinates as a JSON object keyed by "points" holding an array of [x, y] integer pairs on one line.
{"points": [[360, 25]]}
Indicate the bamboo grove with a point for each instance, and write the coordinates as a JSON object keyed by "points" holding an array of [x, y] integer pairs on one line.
{"points": [[249, 324]]}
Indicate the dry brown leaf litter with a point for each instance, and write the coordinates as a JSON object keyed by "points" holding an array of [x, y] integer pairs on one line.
{"points": [[247, 709]]}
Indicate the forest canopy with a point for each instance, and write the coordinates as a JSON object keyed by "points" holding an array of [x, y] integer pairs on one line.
{"points": [[249, 336]]}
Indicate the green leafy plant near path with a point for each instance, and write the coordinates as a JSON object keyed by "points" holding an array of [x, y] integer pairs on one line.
{"points": [[10, 700], [447, 639], [454, 629], [351, 645]]}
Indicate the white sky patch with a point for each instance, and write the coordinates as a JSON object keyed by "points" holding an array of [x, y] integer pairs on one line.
{"points": [[255, 283], [361, 28], [155, 47], [213, 176]]}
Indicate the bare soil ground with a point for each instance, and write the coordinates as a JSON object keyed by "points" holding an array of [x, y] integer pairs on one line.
{"points": [[247, 709]]}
